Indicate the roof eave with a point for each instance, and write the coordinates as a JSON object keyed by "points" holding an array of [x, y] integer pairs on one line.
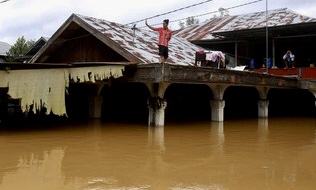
{"points": [[106, 40], [52, 39]]}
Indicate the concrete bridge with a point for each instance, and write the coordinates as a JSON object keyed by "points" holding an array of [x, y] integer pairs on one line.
{"points": [[158, 77]]}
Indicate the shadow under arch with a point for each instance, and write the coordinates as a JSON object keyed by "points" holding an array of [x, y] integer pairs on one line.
{"points": [[291, 102], [188, 102], [125, 102], [241, 102]]}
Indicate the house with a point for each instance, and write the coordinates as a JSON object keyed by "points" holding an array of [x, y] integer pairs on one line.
{"points": [[86, 39], [35, 48], [4, 48], [244, 36]]}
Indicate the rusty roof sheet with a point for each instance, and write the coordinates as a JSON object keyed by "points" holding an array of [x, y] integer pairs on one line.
{"points": [[278, 17], [143, 44]]}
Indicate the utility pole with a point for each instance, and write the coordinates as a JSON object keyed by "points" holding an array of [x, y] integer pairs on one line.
{"points": [[267, 38]]}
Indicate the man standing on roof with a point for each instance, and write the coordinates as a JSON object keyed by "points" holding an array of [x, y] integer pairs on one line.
{"points": [[164, 38]]}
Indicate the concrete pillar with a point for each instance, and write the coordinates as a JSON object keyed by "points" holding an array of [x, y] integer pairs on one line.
{"points": [[263, 106], [217, 107], [236, 54], [157, 104], [273, 53], [157, 108], [95, 106], [218, 91], [263, 92], [95, 100]]}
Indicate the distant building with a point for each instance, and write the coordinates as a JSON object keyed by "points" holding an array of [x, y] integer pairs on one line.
{"points": [[244, 36], [32, 50], [4, 48], [35, 48]]}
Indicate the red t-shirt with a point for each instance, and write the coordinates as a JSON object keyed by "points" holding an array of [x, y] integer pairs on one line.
{"points": [[164, 36]]}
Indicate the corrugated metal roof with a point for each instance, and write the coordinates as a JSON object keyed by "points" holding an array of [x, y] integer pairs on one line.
{"points": [[4, 48], [278, 17], [143, 44], [37, 46]]}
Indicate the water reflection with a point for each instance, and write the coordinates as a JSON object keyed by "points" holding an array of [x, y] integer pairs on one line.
{"points": [[156, 138], [253, 154], [315, 136], [36, 172], [263, 129], [217, 136]]}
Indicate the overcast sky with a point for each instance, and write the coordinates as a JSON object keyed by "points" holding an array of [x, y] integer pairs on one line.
{"points": [[35, 18]]}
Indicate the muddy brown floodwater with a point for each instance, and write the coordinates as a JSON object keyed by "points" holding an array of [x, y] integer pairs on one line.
{"points": [[274, 154]]}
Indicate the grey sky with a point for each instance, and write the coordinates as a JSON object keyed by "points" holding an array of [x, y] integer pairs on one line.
{"points": [[37, 18]]}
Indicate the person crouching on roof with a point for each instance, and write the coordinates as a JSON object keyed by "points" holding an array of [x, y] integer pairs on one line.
{"points": [[164, 38]]}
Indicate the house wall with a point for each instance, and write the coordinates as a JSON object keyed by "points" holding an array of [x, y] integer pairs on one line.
{"points": [[84, 49]]}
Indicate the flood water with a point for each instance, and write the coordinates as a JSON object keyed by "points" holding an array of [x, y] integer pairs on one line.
{"points": [[274, 154]]}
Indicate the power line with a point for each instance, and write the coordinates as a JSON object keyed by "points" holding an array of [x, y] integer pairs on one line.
{"points": [[212, 12], [4, 1], [85, 35], [176, 10]]}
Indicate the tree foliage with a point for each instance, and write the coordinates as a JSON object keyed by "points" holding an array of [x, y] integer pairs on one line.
{"points": [[189, 21], [19, 49], [192, 20], [223, 12]]}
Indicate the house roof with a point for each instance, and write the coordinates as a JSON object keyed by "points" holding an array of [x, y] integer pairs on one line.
{"points": [[4, 48], [37, 46], [210, 29], [137, 45]]}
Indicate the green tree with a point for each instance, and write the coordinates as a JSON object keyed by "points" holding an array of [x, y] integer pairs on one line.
{"points": [[223, 12], [189, 21], [181, 24], [19, 49], [30, 43]]}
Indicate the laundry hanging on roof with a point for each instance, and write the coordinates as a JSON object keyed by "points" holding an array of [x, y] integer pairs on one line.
{"points": [[215, 55], [209, 58]]}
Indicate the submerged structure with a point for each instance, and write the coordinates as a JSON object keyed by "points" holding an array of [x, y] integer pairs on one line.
{"points": [[86, 58]]}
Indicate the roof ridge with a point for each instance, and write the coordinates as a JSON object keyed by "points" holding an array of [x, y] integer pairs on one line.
{"points": [[99, 19], [5, 43], [295, 12], [255, 20]]}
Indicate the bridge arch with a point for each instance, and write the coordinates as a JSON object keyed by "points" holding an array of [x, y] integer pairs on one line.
{"points": [[291, 102], [121, 101], [241, 102], [188, 102], [125, 101]]}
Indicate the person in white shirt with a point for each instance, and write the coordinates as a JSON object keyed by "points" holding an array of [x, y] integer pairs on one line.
{"points": [[288, 59]]}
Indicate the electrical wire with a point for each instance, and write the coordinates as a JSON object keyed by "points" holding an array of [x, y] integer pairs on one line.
{"points": [[173, 11], [208, 13], [4, 1], [85, 35]]}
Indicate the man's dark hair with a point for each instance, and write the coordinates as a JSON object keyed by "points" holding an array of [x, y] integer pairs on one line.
{"points": [[166, 21]]}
